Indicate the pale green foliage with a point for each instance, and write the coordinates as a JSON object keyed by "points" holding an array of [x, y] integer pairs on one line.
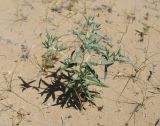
{"points": [[53, 50], [78, 70]]}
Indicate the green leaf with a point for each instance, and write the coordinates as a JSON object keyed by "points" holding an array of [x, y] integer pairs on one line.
{"points": [[79, 53], [73, 71], [95, 81], [98, 84], [50, 39], [96, 95], [66, 90], [79, 36], [91, 69], [66, 66], [97, 46], [88, 95]]}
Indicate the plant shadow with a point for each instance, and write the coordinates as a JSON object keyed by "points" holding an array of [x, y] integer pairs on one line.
{"points": [[25, 85], [51, 90], [58, 86]]}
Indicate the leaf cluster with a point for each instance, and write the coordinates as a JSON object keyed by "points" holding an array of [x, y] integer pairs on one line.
{"points": [[78, 70], [53, 49]]}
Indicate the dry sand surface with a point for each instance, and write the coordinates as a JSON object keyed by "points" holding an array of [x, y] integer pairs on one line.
{"points": [[134, 25]]}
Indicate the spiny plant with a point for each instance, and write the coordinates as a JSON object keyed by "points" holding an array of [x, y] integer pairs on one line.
{"points": [[53, 49], [79, 69]]}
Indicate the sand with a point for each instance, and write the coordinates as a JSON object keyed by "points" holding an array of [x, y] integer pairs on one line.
{"points": [[134, 25]]}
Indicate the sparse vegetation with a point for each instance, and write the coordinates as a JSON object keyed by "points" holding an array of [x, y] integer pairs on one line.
{"points": [[106, 66], [78, 70]]}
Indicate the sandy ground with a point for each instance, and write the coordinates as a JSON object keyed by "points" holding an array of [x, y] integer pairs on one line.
{"points": [[134, 25]]}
